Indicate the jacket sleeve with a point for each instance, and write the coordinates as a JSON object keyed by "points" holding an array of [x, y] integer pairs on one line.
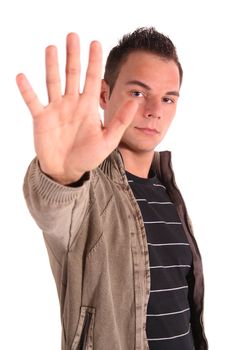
{"points": [[58, 210]]}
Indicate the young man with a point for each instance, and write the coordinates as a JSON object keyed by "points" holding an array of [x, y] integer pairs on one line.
{"points": [[126, 265]]}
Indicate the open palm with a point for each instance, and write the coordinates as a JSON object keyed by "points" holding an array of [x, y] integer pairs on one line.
{"points": [[68, 134]]}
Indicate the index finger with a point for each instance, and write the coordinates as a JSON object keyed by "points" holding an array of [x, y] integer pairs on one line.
{"points": [[93, 76]]}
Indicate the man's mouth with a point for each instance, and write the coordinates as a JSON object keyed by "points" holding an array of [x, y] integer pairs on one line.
{"points": [[148, 131]]}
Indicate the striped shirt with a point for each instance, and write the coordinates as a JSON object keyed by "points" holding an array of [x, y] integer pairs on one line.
{"points": [[168, 312]]}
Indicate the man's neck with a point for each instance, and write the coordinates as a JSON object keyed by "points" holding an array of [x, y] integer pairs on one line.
{"points": [[137, 163]]}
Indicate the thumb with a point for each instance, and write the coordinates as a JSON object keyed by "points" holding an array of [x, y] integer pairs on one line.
{"points": [[119, 123]]}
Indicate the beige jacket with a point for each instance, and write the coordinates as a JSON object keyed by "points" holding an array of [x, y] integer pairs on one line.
{"points": [[97, 248]]}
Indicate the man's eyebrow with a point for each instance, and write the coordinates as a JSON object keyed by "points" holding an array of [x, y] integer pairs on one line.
{"points": [[138, 82], [174, 93], [147, 87]]}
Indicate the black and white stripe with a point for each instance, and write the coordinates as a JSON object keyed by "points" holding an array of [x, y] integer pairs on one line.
{"points": [[168, 312]]}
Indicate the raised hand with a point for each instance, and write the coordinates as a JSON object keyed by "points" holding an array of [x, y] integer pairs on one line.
{"points": [[68, 134]]}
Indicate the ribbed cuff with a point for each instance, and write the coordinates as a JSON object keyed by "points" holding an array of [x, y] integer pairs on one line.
{"points": [[51, 191]]}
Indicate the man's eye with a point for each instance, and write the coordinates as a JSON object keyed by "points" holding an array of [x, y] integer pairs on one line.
{"points": [[168, 100], [136, 93]]}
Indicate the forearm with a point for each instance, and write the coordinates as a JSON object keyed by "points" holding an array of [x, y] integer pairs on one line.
{"points": [[58, 210]]}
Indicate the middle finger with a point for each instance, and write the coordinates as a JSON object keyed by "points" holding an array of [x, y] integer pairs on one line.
{"points": [[72, 64]]}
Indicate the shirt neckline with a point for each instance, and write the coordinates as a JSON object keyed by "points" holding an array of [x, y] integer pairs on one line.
{"points": [[141, 180]]}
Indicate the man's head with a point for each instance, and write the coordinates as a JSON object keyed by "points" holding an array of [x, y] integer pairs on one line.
{"points": [[144, 67], [142, 39]]}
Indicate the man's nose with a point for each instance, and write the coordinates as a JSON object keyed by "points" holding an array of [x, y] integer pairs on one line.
{"points": [[153, 109]]}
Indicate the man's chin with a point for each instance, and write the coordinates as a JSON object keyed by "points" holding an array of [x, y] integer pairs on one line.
{"points": [[138, 148]]}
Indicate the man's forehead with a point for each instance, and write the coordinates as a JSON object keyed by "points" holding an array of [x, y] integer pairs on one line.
{"points": [[143, 66], [145, 61]]}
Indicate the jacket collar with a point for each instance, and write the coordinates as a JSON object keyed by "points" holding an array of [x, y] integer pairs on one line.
{"points": [[113, 166]]}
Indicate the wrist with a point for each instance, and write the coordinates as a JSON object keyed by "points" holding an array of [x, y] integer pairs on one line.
{"points": [[64, 180]]}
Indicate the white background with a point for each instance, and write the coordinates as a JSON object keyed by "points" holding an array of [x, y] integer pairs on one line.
{"points": [[200, 139]]}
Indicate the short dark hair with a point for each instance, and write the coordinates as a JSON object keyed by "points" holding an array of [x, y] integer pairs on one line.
{"points": [[142, 39]]}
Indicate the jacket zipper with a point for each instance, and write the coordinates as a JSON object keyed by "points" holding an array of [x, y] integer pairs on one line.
{"points": [[84, 336]]}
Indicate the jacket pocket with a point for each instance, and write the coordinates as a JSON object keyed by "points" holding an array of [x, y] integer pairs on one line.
{"points": [[83, 339]]}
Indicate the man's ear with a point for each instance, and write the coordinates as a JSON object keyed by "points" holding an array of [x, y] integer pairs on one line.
{"points": [[104, 94]]}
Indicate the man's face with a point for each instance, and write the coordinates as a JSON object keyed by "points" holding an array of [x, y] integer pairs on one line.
{"points": [[155, 84]]}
